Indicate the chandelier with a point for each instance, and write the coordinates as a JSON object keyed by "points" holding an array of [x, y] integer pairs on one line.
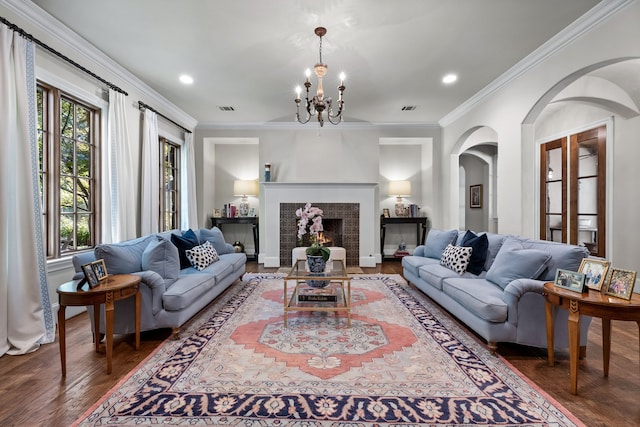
{"points": [[318, 104]]}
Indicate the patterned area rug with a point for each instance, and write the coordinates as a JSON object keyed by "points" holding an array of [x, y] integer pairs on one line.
{"points": [[400, 364]]}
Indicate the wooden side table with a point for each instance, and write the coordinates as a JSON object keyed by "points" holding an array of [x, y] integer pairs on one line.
{"points": [[114, 288], [594, 304]]}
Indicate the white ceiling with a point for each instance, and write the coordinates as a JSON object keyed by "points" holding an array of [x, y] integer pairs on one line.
{"points": [[250, 54]]}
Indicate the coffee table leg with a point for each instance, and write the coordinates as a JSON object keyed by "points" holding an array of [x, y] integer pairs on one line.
{"points": [[96, 326], [285, 302], [550, 333], [349, 303], [62, 339]]}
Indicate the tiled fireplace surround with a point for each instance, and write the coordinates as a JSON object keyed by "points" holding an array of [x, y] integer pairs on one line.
{"points": [[349, 213], [355, 203]]}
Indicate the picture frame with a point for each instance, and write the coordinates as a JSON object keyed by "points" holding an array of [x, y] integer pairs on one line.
{"points": [[252, 212], [100, 269], [595, 272], [90, 275], [386, 213], [570, 280], [217, 213], [620, 283], [475, 196]]}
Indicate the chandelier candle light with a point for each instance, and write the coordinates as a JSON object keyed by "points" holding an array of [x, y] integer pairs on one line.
{"points": [[318, 104]]}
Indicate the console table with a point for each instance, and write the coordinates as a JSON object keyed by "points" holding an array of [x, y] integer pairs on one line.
{"points": [[419, 221], [251, 220], [594, 304]]}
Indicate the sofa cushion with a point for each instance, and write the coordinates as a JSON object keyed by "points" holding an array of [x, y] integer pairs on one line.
{"points": [[237, 260], [187, 240], [495, 243], [184, 291], [479, 296], [215, 236], [480, 244], [412, 263], [515, 262], [567, 257], [202, 256], [456, 258], [437, 241], [435, 273], [124, 257], [161, 256]]}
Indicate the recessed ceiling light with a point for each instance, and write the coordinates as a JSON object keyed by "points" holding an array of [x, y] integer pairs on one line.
{"points": [[449, 78], [186, 79]]}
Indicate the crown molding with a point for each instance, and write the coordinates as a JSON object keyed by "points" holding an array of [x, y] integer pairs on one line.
{"points": [[81, 48], [599, 13], [314, 127]]}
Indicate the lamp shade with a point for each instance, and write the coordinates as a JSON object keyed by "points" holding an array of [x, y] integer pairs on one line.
{"points": [[400, 188], [245, 188]]}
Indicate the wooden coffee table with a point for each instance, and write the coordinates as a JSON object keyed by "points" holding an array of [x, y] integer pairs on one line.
{"points": [[594, 304], [114, 288], [299, 274]]}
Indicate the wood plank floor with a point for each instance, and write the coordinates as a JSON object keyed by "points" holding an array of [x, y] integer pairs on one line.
{"points": [[33, 393]]}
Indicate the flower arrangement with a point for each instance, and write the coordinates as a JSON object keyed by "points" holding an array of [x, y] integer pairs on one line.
{"points": [[311, 219]]}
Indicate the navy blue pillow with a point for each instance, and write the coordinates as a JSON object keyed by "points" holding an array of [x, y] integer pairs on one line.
{"points": [[480, 245], [187, 241]]}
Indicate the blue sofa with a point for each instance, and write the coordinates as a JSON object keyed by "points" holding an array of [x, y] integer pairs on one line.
{"points": [[172, 291], [501, 300]]}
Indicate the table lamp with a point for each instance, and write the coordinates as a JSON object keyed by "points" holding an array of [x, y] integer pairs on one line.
{"points": [[245, 188], [400, 189]]}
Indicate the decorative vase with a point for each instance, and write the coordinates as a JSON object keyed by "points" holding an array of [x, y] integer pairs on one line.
{"points": [[316, 266]]}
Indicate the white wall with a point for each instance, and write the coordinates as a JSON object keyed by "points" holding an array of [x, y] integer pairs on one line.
{"points": [[505, 111]]}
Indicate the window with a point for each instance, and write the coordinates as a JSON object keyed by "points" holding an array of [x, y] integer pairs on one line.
{"points": [[573, 203], [68, 134], [170, 182]]}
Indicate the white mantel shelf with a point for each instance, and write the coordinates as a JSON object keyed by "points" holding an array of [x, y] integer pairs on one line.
{"points": [[274, 193]]}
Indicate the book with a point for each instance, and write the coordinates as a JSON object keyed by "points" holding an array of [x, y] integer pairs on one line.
{"points": [[400, 254], [317, 295]]}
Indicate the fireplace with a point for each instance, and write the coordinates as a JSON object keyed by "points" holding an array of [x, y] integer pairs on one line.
{"points": [[340, 222], [360, 223]]}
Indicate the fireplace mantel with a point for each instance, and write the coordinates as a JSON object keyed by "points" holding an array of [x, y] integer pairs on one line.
{"points": [[274, 193]]}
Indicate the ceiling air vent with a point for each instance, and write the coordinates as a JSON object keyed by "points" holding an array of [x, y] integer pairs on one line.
{"points": [[409, 107], [226, 108]]}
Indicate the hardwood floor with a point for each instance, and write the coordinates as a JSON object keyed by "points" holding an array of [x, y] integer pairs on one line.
{"points": [[34, 393]]}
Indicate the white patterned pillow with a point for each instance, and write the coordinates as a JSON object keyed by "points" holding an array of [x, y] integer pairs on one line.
{"points": [[202, 256], [456, 258]]}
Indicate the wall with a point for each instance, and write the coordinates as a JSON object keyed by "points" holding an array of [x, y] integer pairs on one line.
{"points": [[475, 173], [505, 111]]}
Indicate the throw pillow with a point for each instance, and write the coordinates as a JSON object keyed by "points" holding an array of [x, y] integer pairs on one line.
{"points": [[437, 241], [480, 245], [456, 258], [187, 240], [215, 236], [514, 262], [162, 257], [202, 256]]}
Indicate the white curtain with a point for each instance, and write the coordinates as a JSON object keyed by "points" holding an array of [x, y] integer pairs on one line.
{"points": [[26, 320], [117, 190], [150, 193], [188, 200]]}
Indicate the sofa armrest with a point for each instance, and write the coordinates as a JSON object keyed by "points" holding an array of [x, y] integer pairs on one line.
{"points": [[419, 250], [517, 288], [153, 289]]}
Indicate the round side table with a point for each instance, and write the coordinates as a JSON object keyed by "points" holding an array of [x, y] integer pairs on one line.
{"points": [[113, 288]]}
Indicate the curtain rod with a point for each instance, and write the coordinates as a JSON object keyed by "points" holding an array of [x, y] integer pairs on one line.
{"points": [[142, 106], [31, 38]]}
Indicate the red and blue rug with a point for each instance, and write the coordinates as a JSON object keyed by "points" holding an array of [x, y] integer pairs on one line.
{"points": [[402, 363]]}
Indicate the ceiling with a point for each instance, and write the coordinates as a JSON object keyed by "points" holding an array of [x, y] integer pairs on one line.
{"points": [[250, 54]]}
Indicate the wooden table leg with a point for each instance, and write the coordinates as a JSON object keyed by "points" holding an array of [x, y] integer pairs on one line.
{"points": [[62, 339], [96, 326], [550, 331], [138, 305], [574, 344], [108, 314], [606, 345]]}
